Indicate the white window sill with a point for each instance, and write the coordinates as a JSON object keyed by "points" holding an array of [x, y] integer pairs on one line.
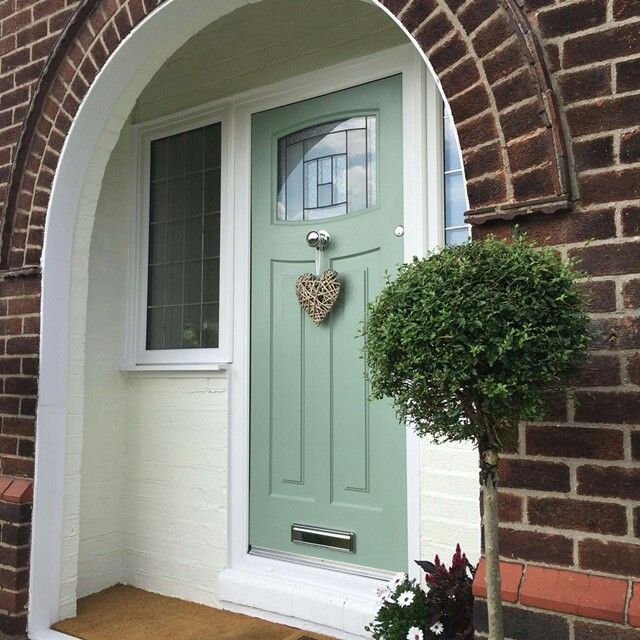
{"points": [[172, 369]]}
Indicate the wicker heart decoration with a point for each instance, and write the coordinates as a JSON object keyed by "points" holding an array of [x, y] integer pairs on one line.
{"points": [[317, 295]]}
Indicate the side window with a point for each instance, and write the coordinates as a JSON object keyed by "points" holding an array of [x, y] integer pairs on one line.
{"points": [[455, 192], [181, 266]]}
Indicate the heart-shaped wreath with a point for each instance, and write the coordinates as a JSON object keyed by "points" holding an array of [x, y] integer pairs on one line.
{"points": [[317, 295]]}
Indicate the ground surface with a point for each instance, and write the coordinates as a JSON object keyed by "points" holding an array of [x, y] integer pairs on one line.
{"points": [[124, 612]]}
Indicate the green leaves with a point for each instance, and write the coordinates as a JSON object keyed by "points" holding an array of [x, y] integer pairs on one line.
{"points": [[467, 340]]}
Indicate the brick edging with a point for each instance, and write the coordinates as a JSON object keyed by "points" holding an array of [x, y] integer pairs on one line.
{"points": [[565, 591]]}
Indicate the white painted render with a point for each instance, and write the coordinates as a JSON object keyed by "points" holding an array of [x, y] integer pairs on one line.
{"points": [[145, 490]]}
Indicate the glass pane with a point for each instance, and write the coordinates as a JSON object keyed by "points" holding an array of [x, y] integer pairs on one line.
{"points": [[330, 169], [192, 327], [177, 192], [159, 159], [175, 242], [457, 236], [193, 282], [372, 159], [155, 328], [175, 283], [194, 202], [311, 185], [211, 280], [212, 191], [455, 200], [212, 236], [357, 170], [212, 146], [156, 286], [210, 325], [184, 240], [159, 202], [451, 150], [195, 150], [176, 155], [193, 239], [158, 244], [173, 328]]}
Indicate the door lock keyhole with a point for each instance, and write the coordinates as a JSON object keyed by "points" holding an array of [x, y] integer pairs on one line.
{"points": [[318, 240]]}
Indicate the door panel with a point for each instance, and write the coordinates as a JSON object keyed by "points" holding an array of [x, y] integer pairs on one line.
{"points": [[323, 454]]}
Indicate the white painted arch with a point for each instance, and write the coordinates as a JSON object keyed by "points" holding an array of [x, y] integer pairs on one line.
{"points": [[77, 184]]}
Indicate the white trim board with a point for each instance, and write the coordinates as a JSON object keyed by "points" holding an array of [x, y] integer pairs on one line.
{"points": [[275, 591]]}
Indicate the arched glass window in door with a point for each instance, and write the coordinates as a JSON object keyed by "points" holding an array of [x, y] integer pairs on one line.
{"points": [[455, 191], [327, 170]]}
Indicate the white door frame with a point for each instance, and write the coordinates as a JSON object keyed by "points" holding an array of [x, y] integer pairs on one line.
{"points": [[287, 591], [346, 606]]}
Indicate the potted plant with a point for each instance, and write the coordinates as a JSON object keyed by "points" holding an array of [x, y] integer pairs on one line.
{"points": [[467, 342]]}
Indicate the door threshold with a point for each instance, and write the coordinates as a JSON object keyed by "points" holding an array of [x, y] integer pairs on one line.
{"points": [[330, 565], [313, 598]]}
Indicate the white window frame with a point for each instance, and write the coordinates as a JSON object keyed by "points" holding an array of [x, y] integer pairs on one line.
{"points": [[138, 357]]}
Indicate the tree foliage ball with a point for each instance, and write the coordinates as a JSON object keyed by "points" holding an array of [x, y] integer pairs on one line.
{"points": [[467, 340]]}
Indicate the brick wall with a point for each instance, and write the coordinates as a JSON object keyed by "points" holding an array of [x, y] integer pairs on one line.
{"points": [[546, 97]]}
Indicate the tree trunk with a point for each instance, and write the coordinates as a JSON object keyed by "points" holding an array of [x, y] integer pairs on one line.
{"points": [[492, 553]]}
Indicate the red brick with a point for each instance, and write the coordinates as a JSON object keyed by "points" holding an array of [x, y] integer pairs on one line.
{"points": [[600, 296], [635, 445], [618, 558], [461, 77], [616, 42], [483, 160], [631, 294], [608, 407], [628, 75], [578, 515], [623, 9], [510, 574], [492, 34], [521, 120], [572, 18], [535, 475], [616, 333], [609, 482], [574, 593], [509, 507], [609, 259], [487, 191], [534, 546], [447, 54], [630, 146], [417, 12], [593, 154], [536, 183], [599, 371], [477, 131], [469, 103], [574, 442], [604, 114], [586, 84], [634, 606], [529, 152]]}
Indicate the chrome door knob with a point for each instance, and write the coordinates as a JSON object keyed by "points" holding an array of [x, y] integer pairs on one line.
{"points": [[318, 240]]}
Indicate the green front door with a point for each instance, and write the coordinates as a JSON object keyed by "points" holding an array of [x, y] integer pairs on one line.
{"points": [[323, 456]]}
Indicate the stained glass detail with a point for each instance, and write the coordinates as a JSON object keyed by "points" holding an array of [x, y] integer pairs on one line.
{"points": [[328, 170]]}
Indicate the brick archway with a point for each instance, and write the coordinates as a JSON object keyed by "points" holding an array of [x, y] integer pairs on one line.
{"points": [[490, 67]]}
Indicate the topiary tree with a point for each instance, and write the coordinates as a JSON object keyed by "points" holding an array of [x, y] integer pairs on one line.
{"points": [[466, 342]]}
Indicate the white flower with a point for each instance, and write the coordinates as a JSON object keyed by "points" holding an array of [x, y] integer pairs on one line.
{"points": [[406, 598], [397, 580], [437, 628], [415, 634], [384, 594]]}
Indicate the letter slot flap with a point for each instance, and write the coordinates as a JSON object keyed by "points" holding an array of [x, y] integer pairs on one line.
{"points": [[321, 537]]}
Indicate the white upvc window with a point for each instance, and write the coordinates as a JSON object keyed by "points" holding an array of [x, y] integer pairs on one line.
{"points": [[456, 203], [180, 298]]}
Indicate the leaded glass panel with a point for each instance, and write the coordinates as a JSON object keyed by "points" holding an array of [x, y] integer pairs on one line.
{"points": [[328, 170], [184, 241]]}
